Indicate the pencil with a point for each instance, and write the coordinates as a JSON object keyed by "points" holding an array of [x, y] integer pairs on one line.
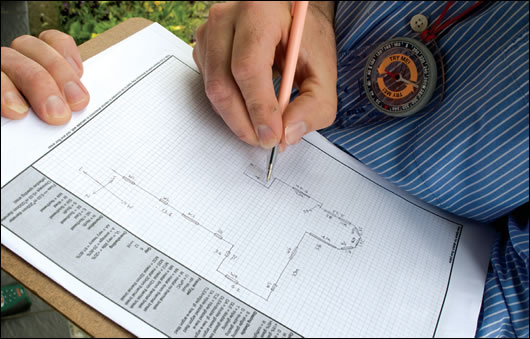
{"points": [[298, 12]]}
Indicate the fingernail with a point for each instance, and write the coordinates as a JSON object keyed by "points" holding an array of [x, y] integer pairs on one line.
{"points": [[73, 93], [14, 103], [266, 136], [295, 132], [74, 64], [56, 107]]}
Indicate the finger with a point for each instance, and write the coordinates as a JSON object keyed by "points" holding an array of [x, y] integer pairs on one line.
{"points": [[308, 112], [220, 85], [66, 78], [65, 45], [37, 85], [253, 51], [316, 77], [13, 105], [198, 49]]}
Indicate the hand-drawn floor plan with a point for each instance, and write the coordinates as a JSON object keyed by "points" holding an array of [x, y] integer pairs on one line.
{"points": [[321, 226]]}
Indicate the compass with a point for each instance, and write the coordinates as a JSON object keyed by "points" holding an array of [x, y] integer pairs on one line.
{"points": [[400, 77]]}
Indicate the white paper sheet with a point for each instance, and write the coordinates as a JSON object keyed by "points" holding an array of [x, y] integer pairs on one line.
{"points": [[150, 210]]}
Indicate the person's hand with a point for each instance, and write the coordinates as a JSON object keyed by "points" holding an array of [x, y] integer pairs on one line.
{"points": [[46, 71], [236, 51]]}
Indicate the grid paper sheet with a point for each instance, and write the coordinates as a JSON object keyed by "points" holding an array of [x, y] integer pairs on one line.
{"points": [[319, 247]]}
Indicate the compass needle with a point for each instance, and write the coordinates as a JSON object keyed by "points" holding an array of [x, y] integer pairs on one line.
{"points": [[400, 78]]}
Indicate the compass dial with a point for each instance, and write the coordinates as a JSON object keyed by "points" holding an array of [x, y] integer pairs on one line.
{"points": [[400, 77]]}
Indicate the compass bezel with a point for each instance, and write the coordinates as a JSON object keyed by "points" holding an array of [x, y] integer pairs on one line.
{"points": [[427, 85]]}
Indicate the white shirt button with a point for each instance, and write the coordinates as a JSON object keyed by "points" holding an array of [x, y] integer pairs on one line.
{"points": [[419, 23]]}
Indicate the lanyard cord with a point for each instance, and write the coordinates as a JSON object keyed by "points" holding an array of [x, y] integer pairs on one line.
{"points": [[431, 33], [429, 37]]}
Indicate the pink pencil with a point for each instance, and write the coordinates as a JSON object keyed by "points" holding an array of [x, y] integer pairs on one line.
{"points": [[298, 12]]}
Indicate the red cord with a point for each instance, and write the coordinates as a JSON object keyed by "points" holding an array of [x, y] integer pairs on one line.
{"points": [[430, 34]]}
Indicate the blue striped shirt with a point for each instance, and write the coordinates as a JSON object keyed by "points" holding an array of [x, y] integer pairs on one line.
{"points": [[469, 156]]}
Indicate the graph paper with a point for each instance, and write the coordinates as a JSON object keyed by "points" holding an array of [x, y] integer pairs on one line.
{"points": [[321, 248]]}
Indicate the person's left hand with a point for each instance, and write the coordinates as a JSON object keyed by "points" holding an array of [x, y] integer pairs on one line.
{"points": [[47, 71]]}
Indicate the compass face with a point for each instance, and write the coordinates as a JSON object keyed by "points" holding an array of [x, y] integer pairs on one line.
{"points": [[400, 77]]}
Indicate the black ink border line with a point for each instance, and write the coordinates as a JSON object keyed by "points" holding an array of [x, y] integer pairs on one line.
{"points": [[460, 227], [165, 59]]}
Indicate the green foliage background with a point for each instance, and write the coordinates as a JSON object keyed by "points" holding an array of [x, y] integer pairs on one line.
{"points": [[84, 20]]}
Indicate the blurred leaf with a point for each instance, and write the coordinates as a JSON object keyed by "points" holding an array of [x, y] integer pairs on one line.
{"points": [[75, 28], [88, 27]]}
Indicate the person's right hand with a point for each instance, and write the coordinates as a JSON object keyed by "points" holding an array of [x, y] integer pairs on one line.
{"points": [[236, 51], [47, 71]]}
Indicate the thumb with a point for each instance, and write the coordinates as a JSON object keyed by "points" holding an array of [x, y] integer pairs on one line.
{"points": [[306, 113]]}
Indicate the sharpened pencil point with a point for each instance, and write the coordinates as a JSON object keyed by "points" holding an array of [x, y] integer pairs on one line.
{"points": [[270, 162]]}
